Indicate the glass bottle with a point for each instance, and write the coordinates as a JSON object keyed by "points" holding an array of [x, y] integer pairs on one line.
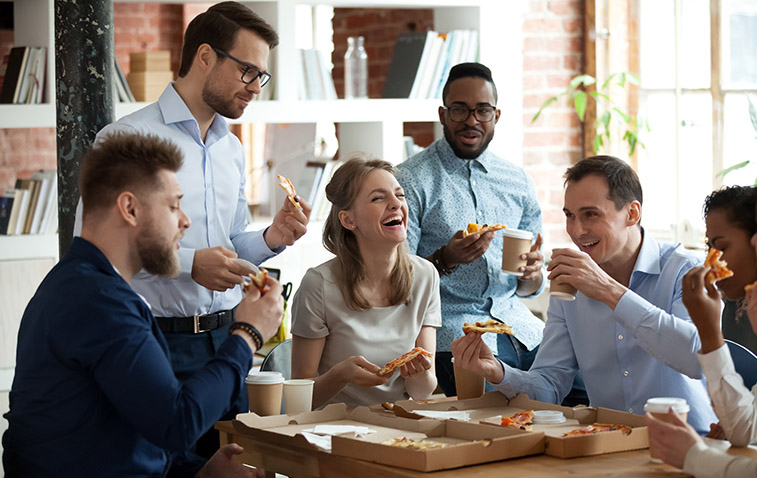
{"points": [[355, 69]]}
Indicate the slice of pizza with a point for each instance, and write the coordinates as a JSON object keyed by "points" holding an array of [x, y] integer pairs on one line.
{"points": [[257, 279], [748, 289], [521, 421], [718, 268], [287, 186], [488, 326], [400, 361], [404, 442], [482, 228], [598, 428]]}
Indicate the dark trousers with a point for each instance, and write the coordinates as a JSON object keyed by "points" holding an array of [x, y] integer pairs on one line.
{"points": [[512, 352], [190, 353]]}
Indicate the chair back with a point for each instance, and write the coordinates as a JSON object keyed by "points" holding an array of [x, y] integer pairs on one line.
{"points": [[279, 359], [745, 362]]}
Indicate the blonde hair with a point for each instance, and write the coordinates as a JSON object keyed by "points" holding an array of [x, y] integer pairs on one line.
{"points": [[350, 271]]}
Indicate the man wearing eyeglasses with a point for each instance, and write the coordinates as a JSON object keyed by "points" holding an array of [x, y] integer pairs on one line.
{"points": [[223, 67], [455, 181]]}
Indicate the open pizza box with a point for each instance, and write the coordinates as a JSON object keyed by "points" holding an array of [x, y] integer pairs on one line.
{"points": [[492, 406], [464, 443]]}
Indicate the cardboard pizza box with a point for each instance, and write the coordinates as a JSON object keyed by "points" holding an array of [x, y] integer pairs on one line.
{"points": [[492, 406], [465, 443]]}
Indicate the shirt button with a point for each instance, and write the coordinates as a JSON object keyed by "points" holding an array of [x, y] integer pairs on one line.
{"points": [[473, 183], [491, 270], [625, 374], [630, 410], [480, 213], [620, 336]]}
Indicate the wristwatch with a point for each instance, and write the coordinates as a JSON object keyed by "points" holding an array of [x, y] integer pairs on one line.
{"points": [[437, 259]]}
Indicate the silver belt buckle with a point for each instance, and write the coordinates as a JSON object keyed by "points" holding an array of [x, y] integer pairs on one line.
{"points": [[197, 329]]}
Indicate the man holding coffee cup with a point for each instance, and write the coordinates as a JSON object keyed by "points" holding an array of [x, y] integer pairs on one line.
{"points": [[627, 331], [456, 181], [94, 393]]}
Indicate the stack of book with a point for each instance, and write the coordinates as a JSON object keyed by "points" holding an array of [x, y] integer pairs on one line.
{"points": [[316, 81], [421, 62], [23, 75], [149, 73], [31, 207], [123, 92]]}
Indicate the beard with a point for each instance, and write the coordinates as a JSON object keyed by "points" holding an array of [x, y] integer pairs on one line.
{"points": [[467, 153], [220, 105], [158, 258]]}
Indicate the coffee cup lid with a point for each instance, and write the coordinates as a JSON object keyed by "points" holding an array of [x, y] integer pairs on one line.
{"points": [[264, 377], [518, 233], [663, 404], [549, 416]]}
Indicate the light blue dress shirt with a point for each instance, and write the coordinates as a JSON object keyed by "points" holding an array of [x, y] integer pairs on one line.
{"points": [[444, 193], [647, 347], [212, 179]]}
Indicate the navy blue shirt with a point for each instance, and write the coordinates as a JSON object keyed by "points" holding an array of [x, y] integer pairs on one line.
{"points": [[93, 392]]}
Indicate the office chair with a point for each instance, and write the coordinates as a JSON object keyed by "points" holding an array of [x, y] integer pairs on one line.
{"points": [[745, 362], [279, 359]]}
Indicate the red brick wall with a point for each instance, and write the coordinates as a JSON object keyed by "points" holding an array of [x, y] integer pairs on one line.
{"points": [[146, 27], [553, 54]]}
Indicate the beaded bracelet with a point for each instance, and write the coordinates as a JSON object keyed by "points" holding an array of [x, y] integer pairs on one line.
{"points": [[438, 260], [250, 329]]}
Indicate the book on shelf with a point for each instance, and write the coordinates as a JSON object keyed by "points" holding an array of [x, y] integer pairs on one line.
{"points": [[18, 214], [32, 81], [316, 79], [404, 65], [13, 74], [47, 206], [31, 185], [6, 208], [123, 92]]}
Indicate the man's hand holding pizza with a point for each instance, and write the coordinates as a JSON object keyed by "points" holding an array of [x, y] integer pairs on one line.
{"points": [[702, 300], [464, 250], [289, 224], [532, 277], [471, 353], [578, 269], [215, 269]]}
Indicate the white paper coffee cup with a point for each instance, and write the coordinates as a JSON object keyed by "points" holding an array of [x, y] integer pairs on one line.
{"points": [[515, 243], [659, 407], [298, 396], [467, 383], [264, 390]]}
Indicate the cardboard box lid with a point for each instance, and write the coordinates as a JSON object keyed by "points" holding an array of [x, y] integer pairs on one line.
{"points": [[156, 60]]}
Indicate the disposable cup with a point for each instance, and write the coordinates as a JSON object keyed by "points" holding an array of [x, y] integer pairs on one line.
{"points": [[562, 291], [264, 391], [515, 243], [659, 407], [467, 383], [298, 396]]}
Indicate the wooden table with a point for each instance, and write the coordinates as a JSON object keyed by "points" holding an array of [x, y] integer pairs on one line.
{"points": [[298, 463]]}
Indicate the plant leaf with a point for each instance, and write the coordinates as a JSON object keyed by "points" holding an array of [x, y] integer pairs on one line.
{"points": [[579, 102], [732, 168], [546, 103], [585, 80], [597, 143], [626, 117]]}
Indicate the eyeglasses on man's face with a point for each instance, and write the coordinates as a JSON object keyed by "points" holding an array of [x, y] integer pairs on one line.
{"points": [[250, 73], [460, 114]]}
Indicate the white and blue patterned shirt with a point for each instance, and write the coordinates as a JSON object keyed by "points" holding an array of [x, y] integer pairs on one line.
{"points": [[444, 193]]}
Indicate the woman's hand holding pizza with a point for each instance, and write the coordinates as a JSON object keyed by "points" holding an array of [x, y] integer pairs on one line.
{"points": [[702, 301], [578, 269], [471, 353], [359, 371], [464, 250], [417, 366]]}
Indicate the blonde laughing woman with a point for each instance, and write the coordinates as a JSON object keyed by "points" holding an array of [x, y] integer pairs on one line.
{"points": [[370, 304]]}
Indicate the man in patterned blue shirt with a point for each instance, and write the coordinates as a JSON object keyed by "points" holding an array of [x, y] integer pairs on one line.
{"points": [[455, 181]]}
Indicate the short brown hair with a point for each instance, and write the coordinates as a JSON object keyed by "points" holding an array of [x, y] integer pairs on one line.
{"points": [[218, 27], [622, 181], [341, 192], [121, 162]]}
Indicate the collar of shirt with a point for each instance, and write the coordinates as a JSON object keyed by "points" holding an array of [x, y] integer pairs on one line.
{"points": [[649, 258], [175, 110], [451, 162]]}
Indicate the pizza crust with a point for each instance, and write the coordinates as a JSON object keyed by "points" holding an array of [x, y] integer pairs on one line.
{"points": [[488, 326], [258, 280], [400, 361], [718, 268], [287, 186], [481, 228]]}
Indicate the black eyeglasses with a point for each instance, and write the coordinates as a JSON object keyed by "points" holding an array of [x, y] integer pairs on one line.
{"points": [[460, 114], [250, 73]]}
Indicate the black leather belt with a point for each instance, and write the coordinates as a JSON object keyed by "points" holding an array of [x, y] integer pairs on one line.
{"points": [[196, 324]]}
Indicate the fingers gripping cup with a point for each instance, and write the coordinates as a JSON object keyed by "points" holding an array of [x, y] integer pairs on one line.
{"points": [[515, 243], [264, 391], [659, 407], [467, 383]]}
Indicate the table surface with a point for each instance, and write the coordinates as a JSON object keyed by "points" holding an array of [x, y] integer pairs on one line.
{"points": [[298, 462]]}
